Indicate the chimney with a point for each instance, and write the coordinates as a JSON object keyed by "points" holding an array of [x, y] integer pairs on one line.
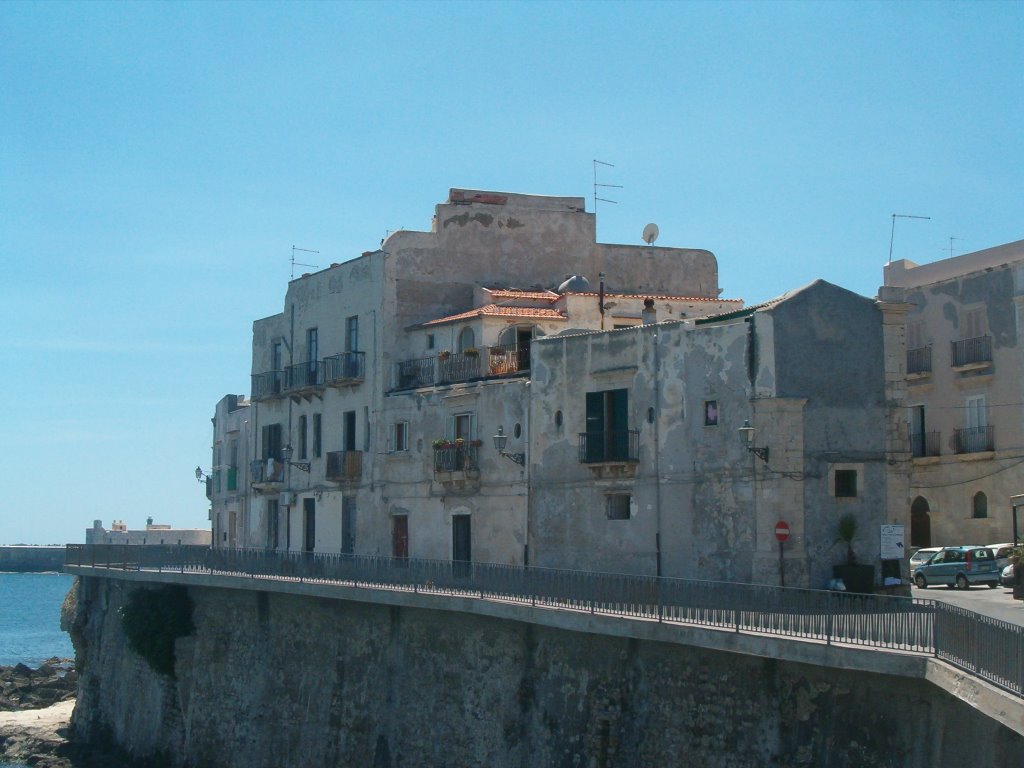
{"points": [[649, 315]]}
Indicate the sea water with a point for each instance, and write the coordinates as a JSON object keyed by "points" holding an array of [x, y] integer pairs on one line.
{"points": [[30, 629]]}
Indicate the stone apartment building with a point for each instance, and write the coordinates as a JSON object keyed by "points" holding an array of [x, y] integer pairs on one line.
{"points": [[377, 390], [227, 482], [502, 388], [963, 373], [638, 441]]}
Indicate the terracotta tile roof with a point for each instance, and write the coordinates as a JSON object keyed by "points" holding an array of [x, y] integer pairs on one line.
{"points": [[515, 293], [494, 310], [609, 295]]}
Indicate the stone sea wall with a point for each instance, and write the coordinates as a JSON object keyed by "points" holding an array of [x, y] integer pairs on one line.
{"points": [[31, 559], [269, 680]]}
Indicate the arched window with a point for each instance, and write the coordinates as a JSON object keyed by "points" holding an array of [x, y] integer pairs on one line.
{"points": [[920, 523], [980, 505], [467, 339]]}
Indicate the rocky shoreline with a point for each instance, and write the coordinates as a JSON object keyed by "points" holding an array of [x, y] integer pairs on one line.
{"points": [[35, 719]]}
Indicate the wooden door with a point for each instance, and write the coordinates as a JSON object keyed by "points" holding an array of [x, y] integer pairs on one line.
{"points": [[400, 536]]}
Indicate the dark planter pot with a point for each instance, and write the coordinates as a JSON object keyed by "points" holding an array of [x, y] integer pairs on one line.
{"points": [[857, 578]]}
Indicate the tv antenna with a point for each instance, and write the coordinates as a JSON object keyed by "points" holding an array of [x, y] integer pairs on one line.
{"points": [[299, 263], [950, 248], [607, 186], [892, 233], [650, 233]]}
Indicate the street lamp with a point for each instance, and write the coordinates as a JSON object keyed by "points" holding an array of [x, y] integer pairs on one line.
{"points": [[500, 441], [286, 457], [201, 476], [747, 438]]}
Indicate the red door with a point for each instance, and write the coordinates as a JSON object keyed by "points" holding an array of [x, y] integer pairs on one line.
{"points": [[400, 536]]}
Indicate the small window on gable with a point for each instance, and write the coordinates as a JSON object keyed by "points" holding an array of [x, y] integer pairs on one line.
{"points": [[430, 341], [846, 483], [979, 506], [617, 506], [710, 413]]}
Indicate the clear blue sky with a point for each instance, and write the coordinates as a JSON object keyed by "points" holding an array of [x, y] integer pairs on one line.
{"points": [[159, 160]]}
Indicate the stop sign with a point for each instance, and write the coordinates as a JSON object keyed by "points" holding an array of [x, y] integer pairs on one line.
{"points": [[782, 530]]}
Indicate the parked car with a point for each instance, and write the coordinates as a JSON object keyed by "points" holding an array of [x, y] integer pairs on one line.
{"points": [[960, 567], [1006, 577], [1001, 553], [920, 557]]}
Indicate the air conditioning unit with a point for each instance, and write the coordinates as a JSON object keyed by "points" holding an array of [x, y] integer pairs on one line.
{"points": [[286, 499]]}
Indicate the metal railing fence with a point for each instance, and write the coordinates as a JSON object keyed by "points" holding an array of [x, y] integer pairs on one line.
{"points": [[988, 648]]}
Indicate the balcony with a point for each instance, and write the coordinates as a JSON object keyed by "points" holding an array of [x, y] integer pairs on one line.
{"points": [[919, 361], [971, 353], [611, 446], [303, 378], [267, 385], [344, 466], [458, 366], [924, 444], [974, 439], [410, 374], [453, 367], [344, 369], [265, 473], [456, 457]]}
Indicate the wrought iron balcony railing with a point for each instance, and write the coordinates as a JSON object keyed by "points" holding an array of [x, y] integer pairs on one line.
{"points": [[345, 368], [924, 444], [344, 466], [455, 457], [621, 445], [970, 351], [919, 360], [410, 374], [458, 366], [307, 375], [974, 439], [266, 471], [268, 384]]}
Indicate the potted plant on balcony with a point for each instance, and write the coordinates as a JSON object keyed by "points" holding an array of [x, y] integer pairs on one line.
{"points": [[440, 442], [444, 354], [471, 352], [856, 577]]}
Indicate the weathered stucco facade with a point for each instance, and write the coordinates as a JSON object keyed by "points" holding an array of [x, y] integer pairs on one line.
{"points": [[963, 370], [388, 375], [681, 494]]}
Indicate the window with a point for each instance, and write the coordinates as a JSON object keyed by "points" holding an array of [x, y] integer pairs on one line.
{"points": [[271, 443], [467, 339], [979, 506], [607, 436], [349, 435], [975, 412], [317, 436], [352, 334], [915, 334], [302, 437], [348, 525], [430, 341], [463, 427], [846, 483], [710, 413], [617, 506], [974, 323], [400, 439], [311, 344]]}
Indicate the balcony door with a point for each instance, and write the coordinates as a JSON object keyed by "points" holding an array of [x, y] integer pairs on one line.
{"points": [[462, 541], [400, 537], [607, 425], [308, 525]]}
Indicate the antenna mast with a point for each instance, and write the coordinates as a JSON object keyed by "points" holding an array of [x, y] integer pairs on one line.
{"points": [[609, 186], [299, 263], [892, 232]]}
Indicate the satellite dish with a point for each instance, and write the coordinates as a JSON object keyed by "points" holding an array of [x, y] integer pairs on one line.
{"points": [[650, 233]]}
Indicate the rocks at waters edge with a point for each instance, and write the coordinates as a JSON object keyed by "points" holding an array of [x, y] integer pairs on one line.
{"points": [[22, 687]]}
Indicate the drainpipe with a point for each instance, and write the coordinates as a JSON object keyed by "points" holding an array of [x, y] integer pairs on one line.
{"points": [[657, 450], [600, 297]]}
